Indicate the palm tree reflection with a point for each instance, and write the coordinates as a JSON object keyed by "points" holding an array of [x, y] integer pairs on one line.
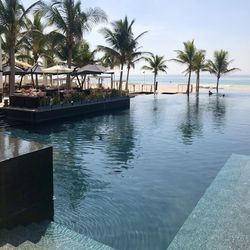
{"points": [[121, 142], [192, 122], [217, 106]]}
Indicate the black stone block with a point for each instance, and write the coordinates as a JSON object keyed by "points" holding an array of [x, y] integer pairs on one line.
{"points": [[26, 182]]}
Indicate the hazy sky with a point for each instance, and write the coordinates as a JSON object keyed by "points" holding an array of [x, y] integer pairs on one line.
{"points": [[213, 24]]}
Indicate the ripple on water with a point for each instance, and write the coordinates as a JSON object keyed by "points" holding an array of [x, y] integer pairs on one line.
{"points": [[129, 179]]}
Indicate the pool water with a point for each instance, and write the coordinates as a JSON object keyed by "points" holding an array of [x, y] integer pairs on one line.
{"points": [[129, 179]]}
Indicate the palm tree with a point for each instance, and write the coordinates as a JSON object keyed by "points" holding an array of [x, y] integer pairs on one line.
{"points": [[72, 22], [81, 54], [199, 65], [156, 64], [12, 21], [132, 58], [109, 60], [187, 57], [35, 40], [219, 65], [122, 42], [53, 46]]}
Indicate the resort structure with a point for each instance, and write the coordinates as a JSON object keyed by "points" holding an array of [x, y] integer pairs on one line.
{"points": [[104, 146]]}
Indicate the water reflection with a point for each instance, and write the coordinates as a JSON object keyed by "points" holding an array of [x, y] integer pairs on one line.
{"points": [[11, 147], [158, 109], [109, 137], [114, 133], [191, 125], [217, 106], [121, 141], [144, 209]]}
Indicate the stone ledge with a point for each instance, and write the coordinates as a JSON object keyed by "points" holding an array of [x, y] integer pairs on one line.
{"points": [[221, 219], [26, 182]]}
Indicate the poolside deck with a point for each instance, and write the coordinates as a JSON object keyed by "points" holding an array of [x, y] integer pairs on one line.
{"points": [[221, 218]]}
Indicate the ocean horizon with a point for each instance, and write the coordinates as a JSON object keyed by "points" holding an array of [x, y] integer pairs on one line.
{"points": [[182, 79]]}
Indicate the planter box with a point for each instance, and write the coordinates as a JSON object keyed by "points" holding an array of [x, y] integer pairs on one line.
{"points": [[22, 101], [49, 113]]}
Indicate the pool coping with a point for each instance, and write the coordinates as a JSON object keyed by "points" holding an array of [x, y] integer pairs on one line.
{"points": [[220, 220]]}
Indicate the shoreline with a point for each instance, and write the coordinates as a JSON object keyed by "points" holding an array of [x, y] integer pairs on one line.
{"points": [[181, 88]]}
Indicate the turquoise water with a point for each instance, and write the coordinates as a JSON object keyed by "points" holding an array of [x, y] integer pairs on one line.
{"points": [[130, 179], [181, 79]]}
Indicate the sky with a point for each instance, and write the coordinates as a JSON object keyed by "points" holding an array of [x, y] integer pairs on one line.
{"points": [[213, 24]]}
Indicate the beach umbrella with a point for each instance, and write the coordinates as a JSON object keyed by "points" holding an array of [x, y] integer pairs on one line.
{"points": [[57, 70], [23, 64], [18, 70]]}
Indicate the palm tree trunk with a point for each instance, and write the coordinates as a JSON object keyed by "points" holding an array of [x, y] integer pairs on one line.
{"points": [[69, 62], [36, 81], [32, 79], [36, 57], [197, 81], [155, 74], [217, 84], [188, 85], [83, 81], [121, 74], [12, 70], [112, 81], [127, 78]]}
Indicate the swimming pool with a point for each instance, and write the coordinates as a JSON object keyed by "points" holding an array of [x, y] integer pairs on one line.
{"points": [[129, 179]]}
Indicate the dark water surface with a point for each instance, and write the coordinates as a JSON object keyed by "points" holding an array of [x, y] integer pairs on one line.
{"points": [[129, 179]]}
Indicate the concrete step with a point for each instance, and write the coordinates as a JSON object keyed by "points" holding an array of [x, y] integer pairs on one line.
{"points": [[28, 245], [46, 236], [59, 237], [27, 234], [8, 237], [8, 247]]}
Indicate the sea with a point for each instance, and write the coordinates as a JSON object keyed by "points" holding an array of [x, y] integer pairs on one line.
{"points": [[230, 80]]}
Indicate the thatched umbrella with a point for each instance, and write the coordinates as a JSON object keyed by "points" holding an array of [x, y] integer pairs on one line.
{"points": [[18, 71], [91, 69], [36, 70]]}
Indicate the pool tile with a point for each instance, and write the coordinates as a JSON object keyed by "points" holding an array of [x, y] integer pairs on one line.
{"points": [[221, 219]]}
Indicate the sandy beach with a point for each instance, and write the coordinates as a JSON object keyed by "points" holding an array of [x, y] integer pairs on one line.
{"points": [[180, 88]]}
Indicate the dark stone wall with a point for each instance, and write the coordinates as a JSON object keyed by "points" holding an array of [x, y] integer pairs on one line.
{"points": [[24, 101], [26, 185]]}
